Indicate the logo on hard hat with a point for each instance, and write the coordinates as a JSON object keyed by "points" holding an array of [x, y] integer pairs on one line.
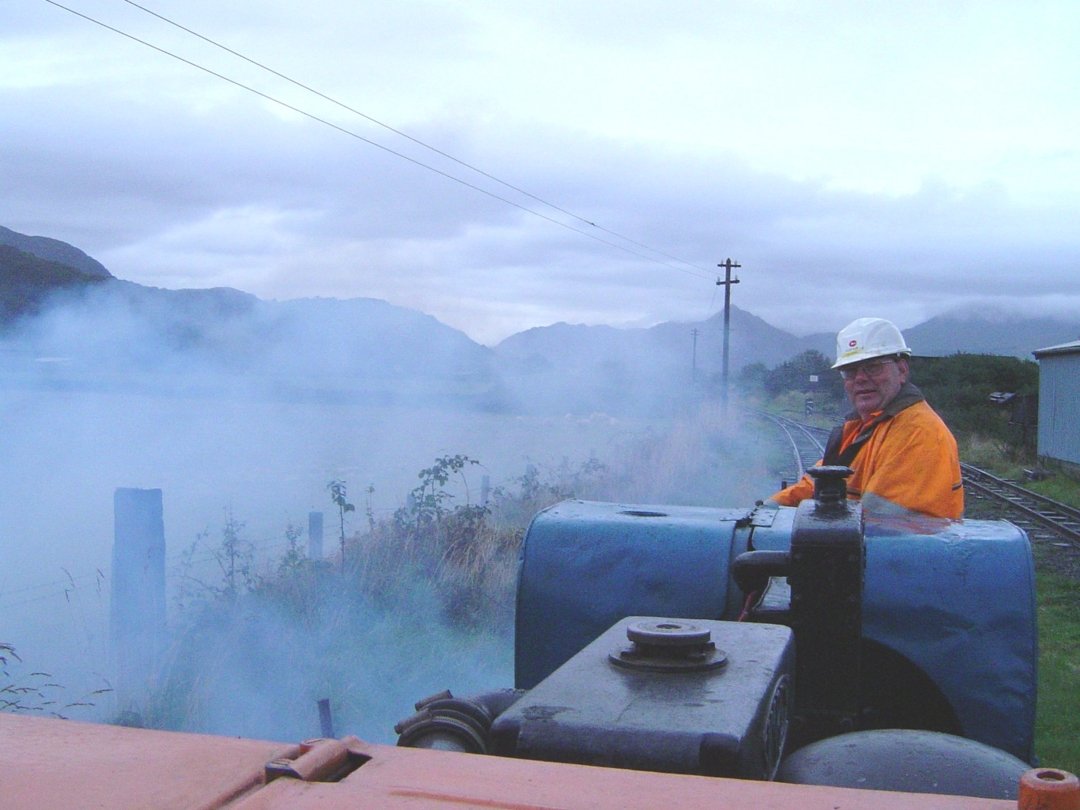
{"points": [[852, 344]]}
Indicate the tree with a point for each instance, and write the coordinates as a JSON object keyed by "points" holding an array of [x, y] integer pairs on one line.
{"points": [[795, 374], [959, 388]]}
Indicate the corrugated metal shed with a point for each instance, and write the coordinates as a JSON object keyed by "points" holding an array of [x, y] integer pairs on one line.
{"points": [[1059, 402]]}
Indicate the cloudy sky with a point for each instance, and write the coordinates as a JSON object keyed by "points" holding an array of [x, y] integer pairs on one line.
{"points": [[856, 158]]}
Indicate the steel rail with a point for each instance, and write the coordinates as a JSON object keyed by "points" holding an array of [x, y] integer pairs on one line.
{"points": [[809, 441], [1062, 519], [806, 442]]}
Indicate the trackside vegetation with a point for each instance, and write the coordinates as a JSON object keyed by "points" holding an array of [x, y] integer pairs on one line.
{"points": [[445, 554]]}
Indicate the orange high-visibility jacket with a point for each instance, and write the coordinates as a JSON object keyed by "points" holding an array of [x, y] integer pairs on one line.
{"points": [[909, 464]]}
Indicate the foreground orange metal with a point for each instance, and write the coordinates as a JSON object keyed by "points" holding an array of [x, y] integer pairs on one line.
{"points": [[1049, 789], [65, 764]]}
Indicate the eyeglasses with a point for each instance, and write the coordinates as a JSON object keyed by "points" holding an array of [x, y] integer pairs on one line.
{"points": [[871, 367]]}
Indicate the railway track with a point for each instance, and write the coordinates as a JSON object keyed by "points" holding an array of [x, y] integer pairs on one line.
{"points": [[807, 445], [1044, 519], [1040, 516]]}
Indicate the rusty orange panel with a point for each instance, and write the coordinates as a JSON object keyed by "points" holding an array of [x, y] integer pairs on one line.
{"points": [[47, 763], [414, 778], [64, 764]]}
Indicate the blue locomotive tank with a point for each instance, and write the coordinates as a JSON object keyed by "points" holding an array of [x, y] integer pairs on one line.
{"points": [[948, 629]]}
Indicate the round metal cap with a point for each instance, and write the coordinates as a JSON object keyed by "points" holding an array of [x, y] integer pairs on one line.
{"points": [[667, 633], [668, 645]]}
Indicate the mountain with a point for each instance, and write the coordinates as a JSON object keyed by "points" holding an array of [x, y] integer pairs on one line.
{"points": [[598, 368], [370, 348], [53, 250], [990, 331], [28, 281], [967, 330], [95, 329]]}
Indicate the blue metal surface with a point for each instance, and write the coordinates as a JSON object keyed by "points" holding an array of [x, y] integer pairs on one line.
{"points": [[960, 605], [586, 565], [728, 720], [957, 600]]}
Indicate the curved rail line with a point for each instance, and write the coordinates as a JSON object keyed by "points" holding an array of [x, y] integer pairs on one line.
{"points": [[1053, 520], [1028, 507], [807, 443]]}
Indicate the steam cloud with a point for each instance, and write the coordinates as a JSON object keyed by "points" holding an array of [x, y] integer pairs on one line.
{"points": [[251, 416]]}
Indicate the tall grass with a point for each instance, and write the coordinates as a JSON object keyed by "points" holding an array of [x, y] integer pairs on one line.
{"points": [[415, 602], [36, 692], [1057, 729], [410, 604]]}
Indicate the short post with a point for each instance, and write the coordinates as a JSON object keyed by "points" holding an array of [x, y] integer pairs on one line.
{"points": [[326, 723], [315, 535], [137, 609]]}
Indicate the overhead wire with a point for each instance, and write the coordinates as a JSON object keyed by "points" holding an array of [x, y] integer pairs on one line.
{"points": [[61, 587], [383, 147]]}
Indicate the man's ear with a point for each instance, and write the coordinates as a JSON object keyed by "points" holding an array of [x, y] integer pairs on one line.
{"points": [[905, 368]]}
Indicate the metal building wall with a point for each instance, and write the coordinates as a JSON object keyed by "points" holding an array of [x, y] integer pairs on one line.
{"points": [[1059, 402]]}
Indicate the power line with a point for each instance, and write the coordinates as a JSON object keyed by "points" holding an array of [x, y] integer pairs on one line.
{"points": [[384, 148], [405, 135], [355, 111]]}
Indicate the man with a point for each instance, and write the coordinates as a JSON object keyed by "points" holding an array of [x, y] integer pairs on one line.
{"points": [[903, 456]]}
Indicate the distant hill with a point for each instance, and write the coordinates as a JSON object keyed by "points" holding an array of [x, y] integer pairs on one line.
{"points": [[219, 340], [975, 331], [601, 368], [53, 250], [327, 347], [990, 332], [27, 282]]}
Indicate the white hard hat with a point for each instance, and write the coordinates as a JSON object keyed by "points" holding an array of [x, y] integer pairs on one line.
{"points": [[866, 338]]}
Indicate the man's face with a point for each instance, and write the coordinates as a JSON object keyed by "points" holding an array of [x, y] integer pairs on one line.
{"points": [[871, 385]]}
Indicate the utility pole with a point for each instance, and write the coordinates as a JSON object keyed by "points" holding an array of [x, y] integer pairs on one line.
{"points": [[693, 359], [728, 266]]}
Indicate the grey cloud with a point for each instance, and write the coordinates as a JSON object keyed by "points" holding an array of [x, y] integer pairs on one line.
{"points": [[287, 208]]}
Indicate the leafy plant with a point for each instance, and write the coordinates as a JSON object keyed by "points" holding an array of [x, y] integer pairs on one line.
{"points": [[235, 557], [338, 496], [959, 387], [294, 557]]}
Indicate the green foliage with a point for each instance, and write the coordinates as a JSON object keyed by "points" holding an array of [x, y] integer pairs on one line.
{"points": [[795, 375], [235, 558], [751, 379], [458, 559], [959, 388], [294, 557], [27, 282], [301, 625], [429, 500], [1059, 487]]}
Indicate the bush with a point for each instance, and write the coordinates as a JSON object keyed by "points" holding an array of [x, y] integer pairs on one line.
{"points": [[959, 388]]}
